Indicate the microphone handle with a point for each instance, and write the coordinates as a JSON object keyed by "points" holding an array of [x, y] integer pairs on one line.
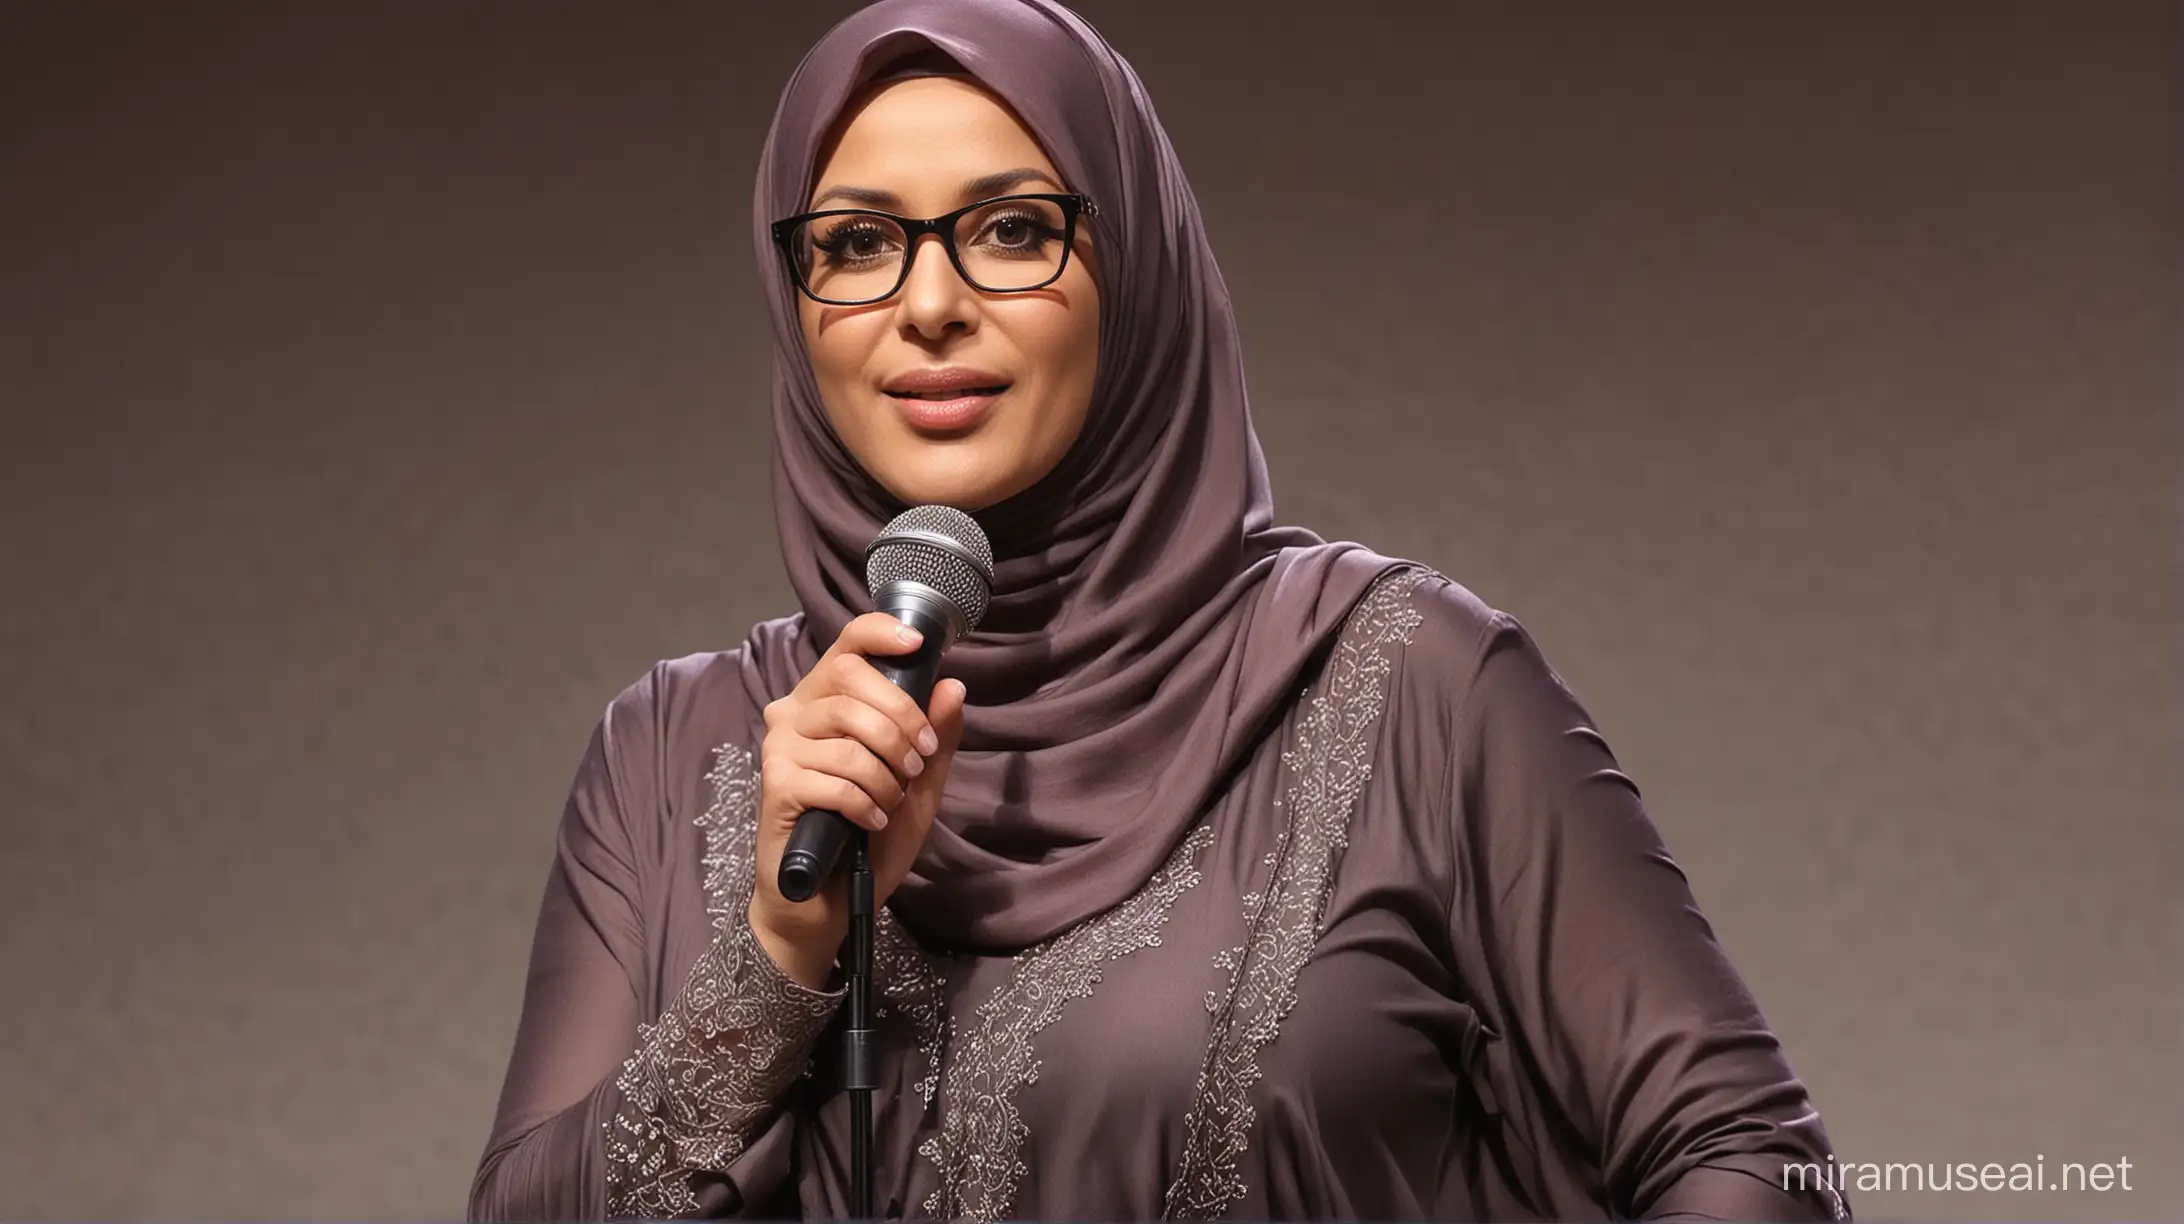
{"points": [[816, 844]]}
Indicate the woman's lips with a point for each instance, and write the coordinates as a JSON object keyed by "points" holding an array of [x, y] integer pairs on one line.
{"points": [[946, 410]]}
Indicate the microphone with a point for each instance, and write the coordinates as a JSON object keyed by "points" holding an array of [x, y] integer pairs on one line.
{"points": [[931, 568]]}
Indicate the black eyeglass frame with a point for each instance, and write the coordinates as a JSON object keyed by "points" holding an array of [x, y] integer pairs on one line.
{"points": [[1073, 206]]}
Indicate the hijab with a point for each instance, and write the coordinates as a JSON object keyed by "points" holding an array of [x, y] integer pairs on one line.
{"points": [[1150, 624]]}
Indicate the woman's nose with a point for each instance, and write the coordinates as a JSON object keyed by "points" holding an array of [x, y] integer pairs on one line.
{"points": [[934, 298]]}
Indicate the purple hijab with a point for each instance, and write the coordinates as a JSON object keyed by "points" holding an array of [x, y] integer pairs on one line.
{"points": [[1150, 622]]}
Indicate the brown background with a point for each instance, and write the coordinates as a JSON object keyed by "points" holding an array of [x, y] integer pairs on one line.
{"points": [[383, 392]]}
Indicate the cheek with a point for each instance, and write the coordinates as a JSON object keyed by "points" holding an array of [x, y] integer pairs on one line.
{"points": [[1066, 345], [839, 349], [1083, 342], [1081, 348]]}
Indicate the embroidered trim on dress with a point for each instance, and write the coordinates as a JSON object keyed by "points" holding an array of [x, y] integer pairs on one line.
{"points": [[1329, 766], [978, 1148], [911, 987], [730, 1043]]}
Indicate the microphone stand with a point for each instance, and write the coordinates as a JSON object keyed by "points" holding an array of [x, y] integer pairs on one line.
{"points": [[858, 1076]]}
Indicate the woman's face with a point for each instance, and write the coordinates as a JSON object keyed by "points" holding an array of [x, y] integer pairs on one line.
{"points": [[919, 148]]}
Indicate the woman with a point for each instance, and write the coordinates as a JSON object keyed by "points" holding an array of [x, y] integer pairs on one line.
{"points": [[1230, 872]]}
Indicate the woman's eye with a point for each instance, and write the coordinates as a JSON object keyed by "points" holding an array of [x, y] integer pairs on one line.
{"points": [[1017, 233], [855, 242]]}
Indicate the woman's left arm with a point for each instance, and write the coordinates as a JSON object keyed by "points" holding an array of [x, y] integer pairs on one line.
{"points": [[1640, 1042]]}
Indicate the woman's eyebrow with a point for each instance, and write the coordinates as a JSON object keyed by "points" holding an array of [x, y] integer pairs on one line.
{"points": [[976, 189]]}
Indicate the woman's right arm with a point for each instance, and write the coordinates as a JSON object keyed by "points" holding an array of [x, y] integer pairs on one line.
{"points": [[601, 1114]]}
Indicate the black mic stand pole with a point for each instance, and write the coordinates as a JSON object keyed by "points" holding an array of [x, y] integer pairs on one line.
{"points": [[857, 1062]]}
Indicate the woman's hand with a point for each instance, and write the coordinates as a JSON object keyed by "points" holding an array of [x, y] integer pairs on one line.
{"points": [[847, 740]]}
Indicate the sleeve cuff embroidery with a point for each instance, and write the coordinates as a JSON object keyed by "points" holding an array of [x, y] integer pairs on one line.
{"points": [[704, 1077]]}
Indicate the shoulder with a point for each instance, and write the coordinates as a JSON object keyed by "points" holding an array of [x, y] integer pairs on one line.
{"points": [[656, 749], [684, 708], [1466, 665], [1499, 741], [675, 691], [1446, 631]]}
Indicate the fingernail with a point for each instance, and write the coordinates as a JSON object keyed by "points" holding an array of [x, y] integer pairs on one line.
{"points": [[913, 764], [909, 636], [928, 743], [879, 821]]}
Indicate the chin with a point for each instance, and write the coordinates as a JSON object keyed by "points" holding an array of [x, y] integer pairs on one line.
{"points": [[933, 489], [966, 473]]}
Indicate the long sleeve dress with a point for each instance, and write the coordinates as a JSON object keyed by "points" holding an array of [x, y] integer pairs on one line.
{"points": [[1428, 958]]}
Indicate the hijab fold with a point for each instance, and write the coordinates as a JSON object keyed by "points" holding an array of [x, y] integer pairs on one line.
{"points": [[1150, 623]]}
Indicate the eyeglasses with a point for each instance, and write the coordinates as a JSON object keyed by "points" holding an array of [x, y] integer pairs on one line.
{"points": [[855, 256]]}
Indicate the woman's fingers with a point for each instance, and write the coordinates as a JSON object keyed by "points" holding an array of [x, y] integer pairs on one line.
{"points": [[846, 670], [878, 787], [874, 633], [895, 850], [948, 713], [851, 718], [854, 676], [810, 790], [947, 718]]}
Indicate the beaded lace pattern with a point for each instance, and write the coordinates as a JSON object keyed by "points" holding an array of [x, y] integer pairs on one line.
{"points": [[1328, 765], [979, 1147]]}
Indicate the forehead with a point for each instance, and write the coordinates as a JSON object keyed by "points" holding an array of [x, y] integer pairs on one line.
{"points": [[921, 139]]}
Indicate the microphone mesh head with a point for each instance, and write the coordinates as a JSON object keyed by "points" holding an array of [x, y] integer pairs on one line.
{"points": [[939, 547]]}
